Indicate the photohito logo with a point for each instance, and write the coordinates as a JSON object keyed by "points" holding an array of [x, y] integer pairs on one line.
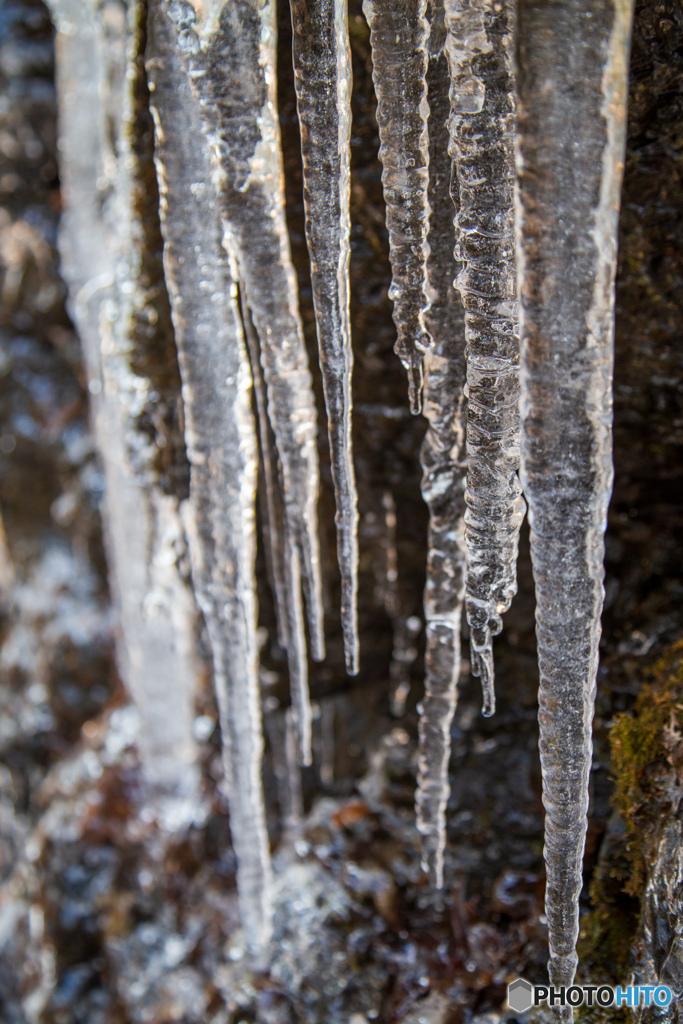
{"points": [[522, 995]]}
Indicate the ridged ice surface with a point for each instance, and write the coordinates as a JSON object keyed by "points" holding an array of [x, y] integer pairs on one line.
{"points": [[398, 37], [102, 245], [282, 559], [480, 35], [282, 563], [572, 77], [444, 467], [270, 496], [322, 77], [222, 447], [230, 55]]}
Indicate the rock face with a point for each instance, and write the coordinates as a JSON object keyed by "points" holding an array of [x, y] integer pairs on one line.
{"points": [[118, 894]]}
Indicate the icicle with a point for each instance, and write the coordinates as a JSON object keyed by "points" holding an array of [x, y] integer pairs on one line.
{"points": [[404, 628], [444, 467], [222, 447], [389, 592], [322, 67], [282, 732], [270, 497], [296, 652], [230, 57], [288, 600], [295, 814], [104, 246], [572, 78], [482, 140], [285, 567], [443, 490], [327, 748], [398, 37]]}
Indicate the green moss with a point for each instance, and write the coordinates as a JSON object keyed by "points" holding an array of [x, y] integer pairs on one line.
{"points": [[641, 744], [602, 1015], [359, 30], [608, 932], [639, 750]]}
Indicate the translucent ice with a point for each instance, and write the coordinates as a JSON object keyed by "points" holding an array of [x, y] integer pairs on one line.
{"points": [[398, 37], [322, 75], [479, 54], [285, 569], [107, 210], [444, 467], [572, 64], [221, 441], [229, 52]]}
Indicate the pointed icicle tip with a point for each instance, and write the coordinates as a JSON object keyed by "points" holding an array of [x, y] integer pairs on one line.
{"points": [[317, 640], [482, 666], [351, 660], [415, 383]]}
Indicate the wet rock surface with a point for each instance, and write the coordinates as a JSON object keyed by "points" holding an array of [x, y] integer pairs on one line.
{"points": [[104, 915]]}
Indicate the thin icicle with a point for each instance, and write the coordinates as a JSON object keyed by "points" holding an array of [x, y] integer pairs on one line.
{"points": [[296, 652], [398, 37], [295, 814], [389, 590], [480, 37], [285, 567], [222, 448], [444, 468], [270, 494], [327, 742], [322, 75], [229, 53], [404, 627], [572, 79]]}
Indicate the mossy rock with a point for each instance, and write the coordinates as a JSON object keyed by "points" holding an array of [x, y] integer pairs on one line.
{"points": [[646, 759]]}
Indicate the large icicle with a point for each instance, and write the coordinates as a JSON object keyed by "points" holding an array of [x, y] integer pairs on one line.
{"points": [[322, 75], [480, 35], [121, 312], [229, 53], [572, 78], [221, 442], [444, 468], [398, 37]]}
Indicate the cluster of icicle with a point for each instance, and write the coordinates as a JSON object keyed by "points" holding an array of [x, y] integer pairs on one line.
{"points": [[502, 131]]}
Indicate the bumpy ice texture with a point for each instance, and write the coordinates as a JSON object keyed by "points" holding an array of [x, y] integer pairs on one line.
{"points": [[398, 37], [444, 467], [482, 146]]}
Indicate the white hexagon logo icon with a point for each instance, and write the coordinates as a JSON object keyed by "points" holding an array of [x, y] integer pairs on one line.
{"points": [[520, 995]]}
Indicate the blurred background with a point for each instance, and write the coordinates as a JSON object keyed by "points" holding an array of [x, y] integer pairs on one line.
{"points": [[109, 918]]}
